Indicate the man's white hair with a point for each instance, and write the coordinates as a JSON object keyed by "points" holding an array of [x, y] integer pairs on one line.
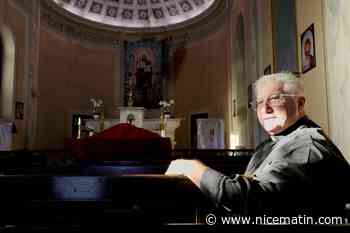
{"points": [[291, 84]]}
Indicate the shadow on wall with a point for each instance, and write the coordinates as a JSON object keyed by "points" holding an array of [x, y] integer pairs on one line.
{"points": [[179, 56]]}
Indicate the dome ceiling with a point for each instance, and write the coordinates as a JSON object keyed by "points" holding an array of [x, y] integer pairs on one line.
{"points": [[138, 14]]}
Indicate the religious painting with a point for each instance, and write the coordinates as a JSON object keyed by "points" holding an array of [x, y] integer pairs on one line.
{"points": [[144, 78], [308, 50], [284, 36]]}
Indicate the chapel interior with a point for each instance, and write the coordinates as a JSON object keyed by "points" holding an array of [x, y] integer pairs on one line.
{"points": [[132, 84]]}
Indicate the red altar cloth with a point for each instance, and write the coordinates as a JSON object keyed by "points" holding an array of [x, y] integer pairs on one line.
{"points": [[121, 142]]}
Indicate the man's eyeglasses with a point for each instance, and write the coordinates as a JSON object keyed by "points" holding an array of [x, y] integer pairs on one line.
{"points": [[274, 100]]}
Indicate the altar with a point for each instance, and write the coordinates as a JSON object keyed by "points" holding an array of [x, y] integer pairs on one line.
{"points": [[135, 115]]}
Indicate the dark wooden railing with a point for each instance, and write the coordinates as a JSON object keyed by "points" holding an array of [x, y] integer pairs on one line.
{"points": [[63, 161], [210, 153], [28, 207]]}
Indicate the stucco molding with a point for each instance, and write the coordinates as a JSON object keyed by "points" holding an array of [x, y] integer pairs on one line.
{"points": [[93, 33], [50, 20]]}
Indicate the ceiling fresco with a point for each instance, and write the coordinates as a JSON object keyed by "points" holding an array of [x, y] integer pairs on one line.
{"points": [[138, 13]]}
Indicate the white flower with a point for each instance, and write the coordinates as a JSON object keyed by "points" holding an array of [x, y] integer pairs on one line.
{"points": [[165, 104], [97, 103]]}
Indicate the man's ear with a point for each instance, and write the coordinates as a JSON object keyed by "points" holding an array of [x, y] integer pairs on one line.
{"points": [[301, 103]]}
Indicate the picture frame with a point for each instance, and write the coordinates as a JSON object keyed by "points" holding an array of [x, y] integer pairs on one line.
{"points": [[19, 110], [308, 49]]}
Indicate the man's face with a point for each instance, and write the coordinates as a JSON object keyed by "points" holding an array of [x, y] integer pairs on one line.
{"points": [[275, 119]]}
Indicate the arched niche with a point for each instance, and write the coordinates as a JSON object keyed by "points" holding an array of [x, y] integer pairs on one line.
{"points": [[7, 75]]}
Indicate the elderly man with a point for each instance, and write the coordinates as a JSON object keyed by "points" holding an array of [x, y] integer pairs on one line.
{"points": [[298, 170]]}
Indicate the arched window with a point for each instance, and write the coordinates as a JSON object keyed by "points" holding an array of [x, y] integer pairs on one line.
{"points": [[1, 72], [1, 59], [7, 56], [7, 67]]}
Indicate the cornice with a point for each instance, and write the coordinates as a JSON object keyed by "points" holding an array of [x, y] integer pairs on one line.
{"points": [[51, 20]]}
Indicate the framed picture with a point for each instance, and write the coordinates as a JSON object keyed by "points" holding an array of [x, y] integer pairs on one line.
{"points": [[308, 49], [210, 133], [19, 110], [145, 76], [194, 117], [267, 70]]}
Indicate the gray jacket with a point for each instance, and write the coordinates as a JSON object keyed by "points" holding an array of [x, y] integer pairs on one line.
{"points": [[299, 171]]}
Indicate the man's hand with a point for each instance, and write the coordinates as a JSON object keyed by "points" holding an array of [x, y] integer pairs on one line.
{"points": [[193, 169]]}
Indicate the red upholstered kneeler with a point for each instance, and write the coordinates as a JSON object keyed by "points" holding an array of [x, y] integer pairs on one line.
{"points": [[121, 142]]}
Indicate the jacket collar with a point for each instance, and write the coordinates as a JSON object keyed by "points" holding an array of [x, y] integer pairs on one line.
{"points": [[303, 121]]}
